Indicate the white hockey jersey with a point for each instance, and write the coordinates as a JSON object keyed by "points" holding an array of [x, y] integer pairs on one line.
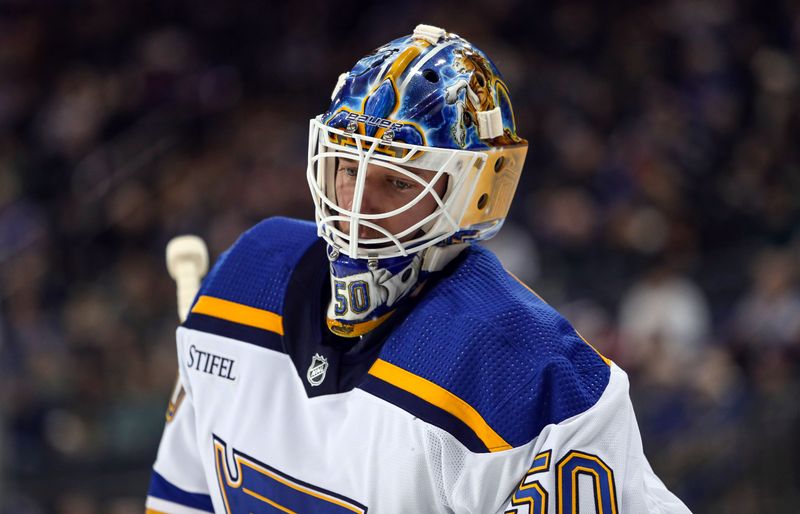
{"points": [[477, 398]]}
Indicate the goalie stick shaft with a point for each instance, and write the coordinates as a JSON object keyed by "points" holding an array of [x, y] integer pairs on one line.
{"points": [[187, 262]]}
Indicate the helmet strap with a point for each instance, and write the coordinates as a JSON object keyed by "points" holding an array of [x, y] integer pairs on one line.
{"points": [[437, 257]]}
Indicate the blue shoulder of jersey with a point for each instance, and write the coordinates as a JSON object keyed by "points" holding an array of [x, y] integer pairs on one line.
{"points": [[483, 357], [242, 296]]}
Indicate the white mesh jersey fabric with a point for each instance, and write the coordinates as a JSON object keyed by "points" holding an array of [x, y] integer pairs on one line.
{"points": [[178, 457], [357, 447], [607, 431]]}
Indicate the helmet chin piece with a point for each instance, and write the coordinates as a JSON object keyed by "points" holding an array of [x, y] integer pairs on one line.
{"points": [[365, 292], [437, 257]]}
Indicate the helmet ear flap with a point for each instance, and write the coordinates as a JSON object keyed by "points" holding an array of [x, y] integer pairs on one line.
{"points": [[495, 185]]}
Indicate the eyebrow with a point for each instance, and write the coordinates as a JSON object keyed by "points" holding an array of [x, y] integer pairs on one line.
{"points": [[413, 171]]}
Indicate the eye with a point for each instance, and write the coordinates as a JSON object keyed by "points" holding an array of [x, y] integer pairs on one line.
{"points": [[400, 184], [350, 171]]}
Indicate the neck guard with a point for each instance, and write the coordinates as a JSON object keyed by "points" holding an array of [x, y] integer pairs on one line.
{"points": [[365, 292]]}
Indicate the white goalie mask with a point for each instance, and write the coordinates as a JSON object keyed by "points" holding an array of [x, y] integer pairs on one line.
{"points": [[367, 236], [431, 118]]}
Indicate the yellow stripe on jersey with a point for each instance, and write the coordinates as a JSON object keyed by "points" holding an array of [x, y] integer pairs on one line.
{"points": [[268, 501], [525, 286], [605, 359], [238, 313], [442, 398]]}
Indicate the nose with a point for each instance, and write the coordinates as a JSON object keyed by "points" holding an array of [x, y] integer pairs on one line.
{"points": [[371, 199], [369, 205]]}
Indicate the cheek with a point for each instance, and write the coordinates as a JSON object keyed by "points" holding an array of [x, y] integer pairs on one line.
{"points": [[421, 210], [426, 206], [343, 191]]}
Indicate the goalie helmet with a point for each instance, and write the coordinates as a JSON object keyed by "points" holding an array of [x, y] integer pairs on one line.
{"points": [[431, 109]]}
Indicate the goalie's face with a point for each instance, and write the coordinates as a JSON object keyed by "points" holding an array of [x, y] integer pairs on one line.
{"points": [[387, 190]]}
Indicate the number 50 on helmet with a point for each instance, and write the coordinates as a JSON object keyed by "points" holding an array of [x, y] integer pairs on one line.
{"points": [[429, 101]]}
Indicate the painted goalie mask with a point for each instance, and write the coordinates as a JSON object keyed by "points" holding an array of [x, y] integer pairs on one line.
{"points": [[416, 157]]}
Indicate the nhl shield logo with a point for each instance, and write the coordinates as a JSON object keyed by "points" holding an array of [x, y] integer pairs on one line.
{"points": [[317, 370]]}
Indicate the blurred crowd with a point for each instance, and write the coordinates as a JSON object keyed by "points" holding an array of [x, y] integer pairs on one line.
{"points": [[659, 211]]}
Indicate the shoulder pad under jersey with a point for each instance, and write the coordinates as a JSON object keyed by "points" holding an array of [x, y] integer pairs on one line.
{"points": [[245, 289], [483, 357]]}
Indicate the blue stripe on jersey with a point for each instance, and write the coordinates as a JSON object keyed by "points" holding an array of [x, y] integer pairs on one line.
{"points": [[224, 328], [424, 411], [161, 488]]}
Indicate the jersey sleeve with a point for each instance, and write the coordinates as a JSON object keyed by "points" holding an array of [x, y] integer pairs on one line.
{"points": [[591, 462], [178, 484]]}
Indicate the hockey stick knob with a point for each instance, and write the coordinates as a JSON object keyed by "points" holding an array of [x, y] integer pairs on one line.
{"points": [[187, 263]]}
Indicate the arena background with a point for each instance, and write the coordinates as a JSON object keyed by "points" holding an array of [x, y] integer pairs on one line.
{"points": [[659, 210]]}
